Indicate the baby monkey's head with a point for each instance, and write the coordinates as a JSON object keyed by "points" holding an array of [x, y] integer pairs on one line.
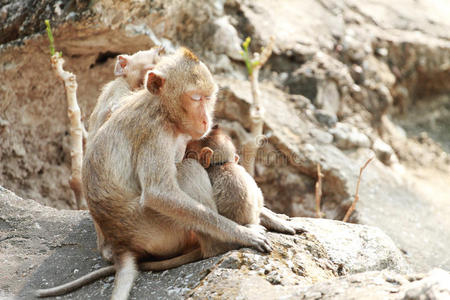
{"points": [[215, 149]]}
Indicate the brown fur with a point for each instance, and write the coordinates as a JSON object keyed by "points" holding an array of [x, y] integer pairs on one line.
{"points": [[189, 55], [130, 174], [235, 192], [131, 70]]}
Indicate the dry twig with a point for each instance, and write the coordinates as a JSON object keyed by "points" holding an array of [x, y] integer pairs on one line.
{"points": [[318, 191], [352, 207], [76, 127], [256, 110]]}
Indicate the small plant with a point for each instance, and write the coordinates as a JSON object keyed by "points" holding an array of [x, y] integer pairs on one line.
{"points": [[50, 38], [256, 110], [251, 64], [77, 130]]}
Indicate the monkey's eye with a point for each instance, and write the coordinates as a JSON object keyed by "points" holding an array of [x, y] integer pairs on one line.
{"points": [[207, 98], [196, 97]]}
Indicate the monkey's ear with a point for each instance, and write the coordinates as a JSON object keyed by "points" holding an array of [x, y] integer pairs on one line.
{"points": [[205, 157], [154, 81], [236, 158], [121, 64]]}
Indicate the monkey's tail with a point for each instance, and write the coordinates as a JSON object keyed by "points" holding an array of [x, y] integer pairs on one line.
{"points": [[171, 263], [73, 285], [162, 265], [126, 273]]}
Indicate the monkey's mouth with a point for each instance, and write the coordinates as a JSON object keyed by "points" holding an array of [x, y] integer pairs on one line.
{"points": [[198, 132]]}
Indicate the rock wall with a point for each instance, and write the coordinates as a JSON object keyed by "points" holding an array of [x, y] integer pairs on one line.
{"points": [[343, 79]]}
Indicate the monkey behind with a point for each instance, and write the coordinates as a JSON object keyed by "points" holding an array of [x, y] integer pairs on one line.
{"points": [[130, 71]]}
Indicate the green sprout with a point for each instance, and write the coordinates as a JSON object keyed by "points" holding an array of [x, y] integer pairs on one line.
{"points": [[50, 38], [250, 64]]}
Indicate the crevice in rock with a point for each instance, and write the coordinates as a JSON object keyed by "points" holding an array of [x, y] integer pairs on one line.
{"points": [[102, 57], [241, 22], [285, 62]]}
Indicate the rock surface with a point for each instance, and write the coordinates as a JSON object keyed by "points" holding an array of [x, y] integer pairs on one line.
{"points": [[381, 285], [42, 247], [344, 76]]}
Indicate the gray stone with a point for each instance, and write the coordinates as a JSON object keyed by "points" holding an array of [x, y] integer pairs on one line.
{"points": [[381, 285], [435, 285], [321, 136], [339, 240], [328, 97], [325, 117], [383, 151], [226, 39], [347, 137]]}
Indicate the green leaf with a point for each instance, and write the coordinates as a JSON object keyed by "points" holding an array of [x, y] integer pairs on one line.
{"points": [[50, 38], [246, 56], [246, 43]]}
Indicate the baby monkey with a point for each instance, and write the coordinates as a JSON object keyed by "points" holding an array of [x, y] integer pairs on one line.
{"points": [[236, 194], [130, 71]]}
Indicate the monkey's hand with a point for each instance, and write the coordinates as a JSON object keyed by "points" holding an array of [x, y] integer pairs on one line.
{"points": [[297, 227], [253, 235], [281, 216], [273, 222]]}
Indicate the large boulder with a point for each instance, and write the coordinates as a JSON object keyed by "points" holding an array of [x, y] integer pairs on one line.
{"points": [[43, 247]]}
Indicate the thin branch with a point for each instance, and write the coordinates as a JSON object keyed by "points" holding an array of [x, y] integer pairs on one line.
{"points": [[352, 207], [318, 191], [266, 53]]}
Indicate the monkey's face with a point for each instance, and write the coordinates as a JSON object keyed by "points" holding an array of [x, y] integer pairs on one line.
{"points": [[187, 91], [198, 99], [198, 108]]}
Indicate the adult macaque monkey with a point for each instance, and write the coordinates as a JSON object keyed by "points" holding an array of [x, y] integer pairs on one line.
{"points": [[130, 175], [131, 70], [236, 194]]}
